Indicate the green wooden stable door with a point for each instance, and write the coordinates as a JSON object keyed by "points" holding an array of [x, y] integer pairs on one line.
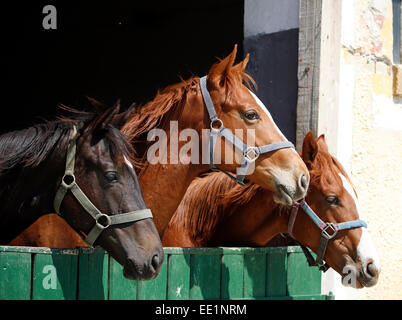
{"points": [[187, 273]]}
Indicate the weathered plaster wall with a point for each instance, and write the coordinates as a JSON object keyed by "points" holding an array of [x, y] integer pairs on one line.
{"points": [[374, 153]]}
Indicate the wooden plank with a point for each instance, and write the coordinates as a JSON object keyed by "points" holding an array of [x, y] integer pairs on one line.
{"points": [[93, 274], [205, 276], [308, 68], [220, 273], [255, 275], [55, 276], [15, 276], [301, 278], [277, 265], [318, 69], [120, 288], [154, 289], [178, 276], [232, 275]]}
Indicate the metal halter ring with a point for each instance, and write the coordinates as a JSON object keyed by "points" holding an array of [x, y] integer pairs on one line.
{"points": [[101, 226], [216, 121], [251, 154], [65, 181], [331, 226]]}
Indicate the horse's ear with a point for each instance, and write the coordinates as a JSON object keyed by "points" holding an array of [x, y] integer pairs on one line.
{"points": [[309, 149], [119, 120], [322, 143], [241, 66], [98, 125], [219, 71]]}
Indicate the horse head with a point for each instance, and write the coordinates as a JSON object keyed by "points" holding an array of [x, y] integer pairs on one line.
{"points": [[104, 174], [332, 197], [280, 170]]}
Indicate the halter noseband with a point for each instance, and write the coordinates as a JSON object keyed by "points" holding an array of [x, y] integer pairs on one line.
{"points": [[68, 183], [250, 154], [328, 232]]}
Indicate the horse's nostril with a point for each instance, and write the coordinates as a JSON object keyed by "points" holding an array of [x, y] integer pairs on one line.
{"points": [[372, 270], [155, 260], [303, 182]]}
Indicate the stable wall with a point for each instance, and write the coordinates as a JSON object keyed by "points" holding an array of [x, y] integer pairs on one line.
{"points": [[369, 141]]}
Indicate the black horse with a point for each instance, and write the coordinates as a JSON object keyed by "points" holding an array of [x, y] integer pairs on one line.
{"points": [[79, 167]]}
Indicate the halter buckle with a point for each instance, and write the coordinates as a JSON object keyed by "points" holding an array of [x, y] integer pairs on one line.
{"points": [[333, 229], [100, 225], [68, 180], [251, 154], [215, 121]]}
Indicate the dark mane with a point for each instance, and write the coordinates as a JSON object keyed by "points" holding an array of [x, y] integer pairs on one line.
{"points": [[29, 148]]}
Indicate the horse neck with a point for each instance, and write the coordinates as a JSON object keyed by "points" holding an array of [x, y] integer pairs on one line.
{"points": [[28, 195], [174, 177], [254, 223]]}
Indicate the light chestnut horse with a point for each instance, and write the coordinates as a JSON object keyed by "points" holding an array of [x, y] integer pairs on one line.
{"points": [[164, 184], [216, 212]]}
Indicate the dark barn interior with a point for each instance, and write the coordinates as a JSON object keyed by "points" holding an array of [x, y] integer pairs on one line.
{"points": [[124, 49]]}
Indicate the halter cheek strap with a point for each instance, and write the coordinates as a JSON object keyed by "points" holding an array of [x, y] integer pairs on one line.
{"points": [[250, 154], [328, 232], [68, 183]]}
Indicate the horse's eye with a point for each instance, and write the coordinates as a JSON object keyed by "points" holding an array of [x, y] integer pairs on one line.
{"points": [[111, 176], [332, 200], [252, 115]]}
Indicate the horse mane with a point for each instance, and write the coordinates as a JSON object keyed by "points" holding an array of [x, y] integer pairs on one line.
{"points": [[167, 103], [28, 148], [214, 197]]}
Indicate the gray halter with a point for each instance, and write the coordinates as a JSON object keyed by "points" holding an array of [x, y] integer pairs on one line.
{"points": [[250, 154], [68, 183]]}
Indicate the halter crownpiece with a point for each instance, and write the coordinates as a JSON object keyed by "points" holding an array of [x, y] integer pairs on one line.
{"points": [[68, 183], [328, 232], [250, 154]]}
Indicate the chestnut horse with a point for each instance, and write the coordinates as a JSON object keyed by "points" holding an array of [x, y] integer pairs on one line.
{"points": [[78, 167], [216, 212], [181, 107]]}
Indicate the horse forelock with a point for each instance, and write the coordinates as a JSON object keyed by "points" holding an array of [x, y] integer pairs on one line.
{"points": [[324, 171]]}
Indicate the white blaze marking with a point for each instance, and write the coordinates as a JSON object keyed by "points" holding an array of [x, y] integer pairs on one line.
{"points": [[366, 249], [262, 106]]}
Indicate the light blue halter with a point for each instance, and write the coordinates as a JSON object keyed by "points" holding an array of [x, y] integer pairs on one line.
{"points": [[250, 154], [328, 232]]}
